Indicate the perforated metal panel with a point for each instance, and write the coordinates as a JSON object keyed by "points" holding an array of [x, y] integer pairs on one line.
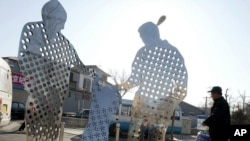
{"points": [[104, 104], [159, 71], [45, 58]]}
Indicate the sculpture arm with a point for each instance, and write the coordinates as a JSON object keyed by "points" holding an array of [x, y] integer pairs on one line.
{"points": [[136, 75], [126, 85], [76, 61]]}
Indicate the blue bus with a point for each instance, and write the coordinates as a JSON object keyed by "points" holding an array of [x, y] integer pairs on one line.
{"points": [[124, 114]]}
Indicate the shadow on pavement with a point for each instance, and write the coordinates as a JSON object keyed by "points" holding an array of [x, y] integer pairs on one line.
{"points": [[181, 137], [76, 138], [12, 132], [12, 127]]}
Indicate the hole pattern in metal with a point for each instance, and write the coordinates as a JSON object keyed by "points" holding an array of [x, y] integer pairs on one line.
{"points": [[105, 103], [45, 58], [161, 76]]}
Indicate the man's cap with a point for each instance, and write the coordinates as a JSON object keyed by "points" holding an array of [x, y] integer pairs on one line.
{"points": [[216, 89]]}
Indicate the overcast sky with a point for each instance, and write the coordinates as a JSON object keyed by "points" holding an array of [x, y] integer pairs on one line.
{"points": [[213, 36]]}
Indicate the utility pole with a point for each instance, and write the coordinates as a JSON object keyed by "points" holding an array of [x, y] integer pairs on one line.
{"points": [[226, 95], [172, 128], [206, 105]]}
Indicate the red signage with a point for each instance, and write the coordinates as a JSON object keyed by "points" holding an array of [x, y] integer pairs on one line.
{"points": [[18, 79]]}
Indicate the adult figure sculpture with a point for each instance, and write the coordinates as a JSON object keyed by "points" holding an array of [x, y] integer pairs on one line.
{"points": [[46, 57], [161, 76]]}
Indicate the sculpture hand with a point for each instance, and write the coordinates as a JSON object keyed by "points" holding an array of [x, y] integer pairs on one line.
{"points": [[178, 91], [125, 85]]}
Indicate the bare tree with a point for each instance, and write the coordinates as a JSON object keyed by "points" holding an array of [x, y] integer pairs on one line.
{"points": [[233, 107], [120, 78], [243, 97], [230, 98]]}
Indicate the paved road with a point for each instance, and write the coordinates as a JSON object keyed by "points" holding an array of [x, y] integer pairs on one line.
{"points": [[22, 137], [9, 133], [68, 137], [71, 137]]}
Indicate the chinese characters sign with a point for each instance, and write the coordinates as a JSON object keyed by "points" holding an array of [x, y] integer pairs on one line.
{"points": [[18, 80]]}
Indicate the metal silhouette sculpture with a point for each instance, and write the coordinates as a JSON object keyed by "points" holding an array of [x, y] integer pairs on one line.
{"points": [[45, 58], [161, 76], [105, 102]]}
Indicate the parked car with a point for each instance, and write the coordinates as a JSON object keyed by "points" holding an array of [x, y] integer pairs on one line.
{"points": [[84, 113], [17, 110]]}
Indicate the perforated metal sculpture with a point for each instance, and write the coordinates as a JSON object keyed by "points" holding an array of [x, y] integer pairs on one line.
{"points": [[105, 102], [45, 57], [160, 73]]}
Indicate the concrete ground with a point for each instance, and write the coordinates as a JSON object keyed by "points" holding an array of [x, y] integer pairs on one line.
{"points": [[10, 133]]}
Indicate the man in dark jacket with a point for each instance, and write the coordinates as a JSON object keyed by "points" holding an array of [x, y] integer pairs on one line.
{"points": [[219, 119]]}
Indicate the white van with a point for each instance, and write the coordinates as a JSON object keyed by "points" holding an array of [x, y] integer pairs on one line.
{"points": [[5, 93]]}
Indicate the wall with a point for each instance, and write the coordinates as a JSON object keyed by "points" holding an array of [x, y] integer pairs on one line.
{"points": [[20, 96], [188, 109], [73, 102]]}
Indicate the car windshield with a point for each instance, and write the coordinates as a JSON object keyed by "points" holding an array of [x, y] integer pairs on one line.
{"points": [[84, 112]]}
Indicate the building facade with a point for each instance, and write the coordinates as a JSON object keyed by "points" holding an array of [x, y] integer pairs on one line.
{"points": [[191, 112], [80, 86], [81, 89]]}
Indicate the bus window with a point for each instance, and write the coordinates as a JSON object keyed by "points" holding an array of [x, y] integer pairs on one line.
{"points": [[21, 106], [125, 110], [177, 115], [14, 105]]}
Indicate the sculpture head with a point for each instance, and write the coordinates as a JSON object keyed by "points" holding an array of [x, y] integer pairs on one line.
{"points": [[54, 17], [149, 33]]}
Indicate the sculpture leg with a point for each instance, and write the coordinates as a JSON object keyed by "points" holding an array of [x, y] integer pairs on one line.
{"points": [[157, 133], [43, 116], [134, 133]]}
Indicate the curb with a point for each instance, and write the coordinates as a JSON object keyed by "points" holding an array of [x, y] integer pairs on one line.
{"points": [[73, 131], [11, 127]]}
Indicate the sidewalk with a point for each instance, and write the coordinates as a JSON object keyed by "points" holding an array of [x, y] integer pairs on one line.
{"points": [[177, 137], [181, 137], [76, 131], [11, 127], [74, 134]]}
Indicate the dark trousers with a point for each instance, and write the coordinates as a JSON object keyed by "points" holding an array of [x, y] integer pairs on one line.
{"points": [[21, 128]]}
